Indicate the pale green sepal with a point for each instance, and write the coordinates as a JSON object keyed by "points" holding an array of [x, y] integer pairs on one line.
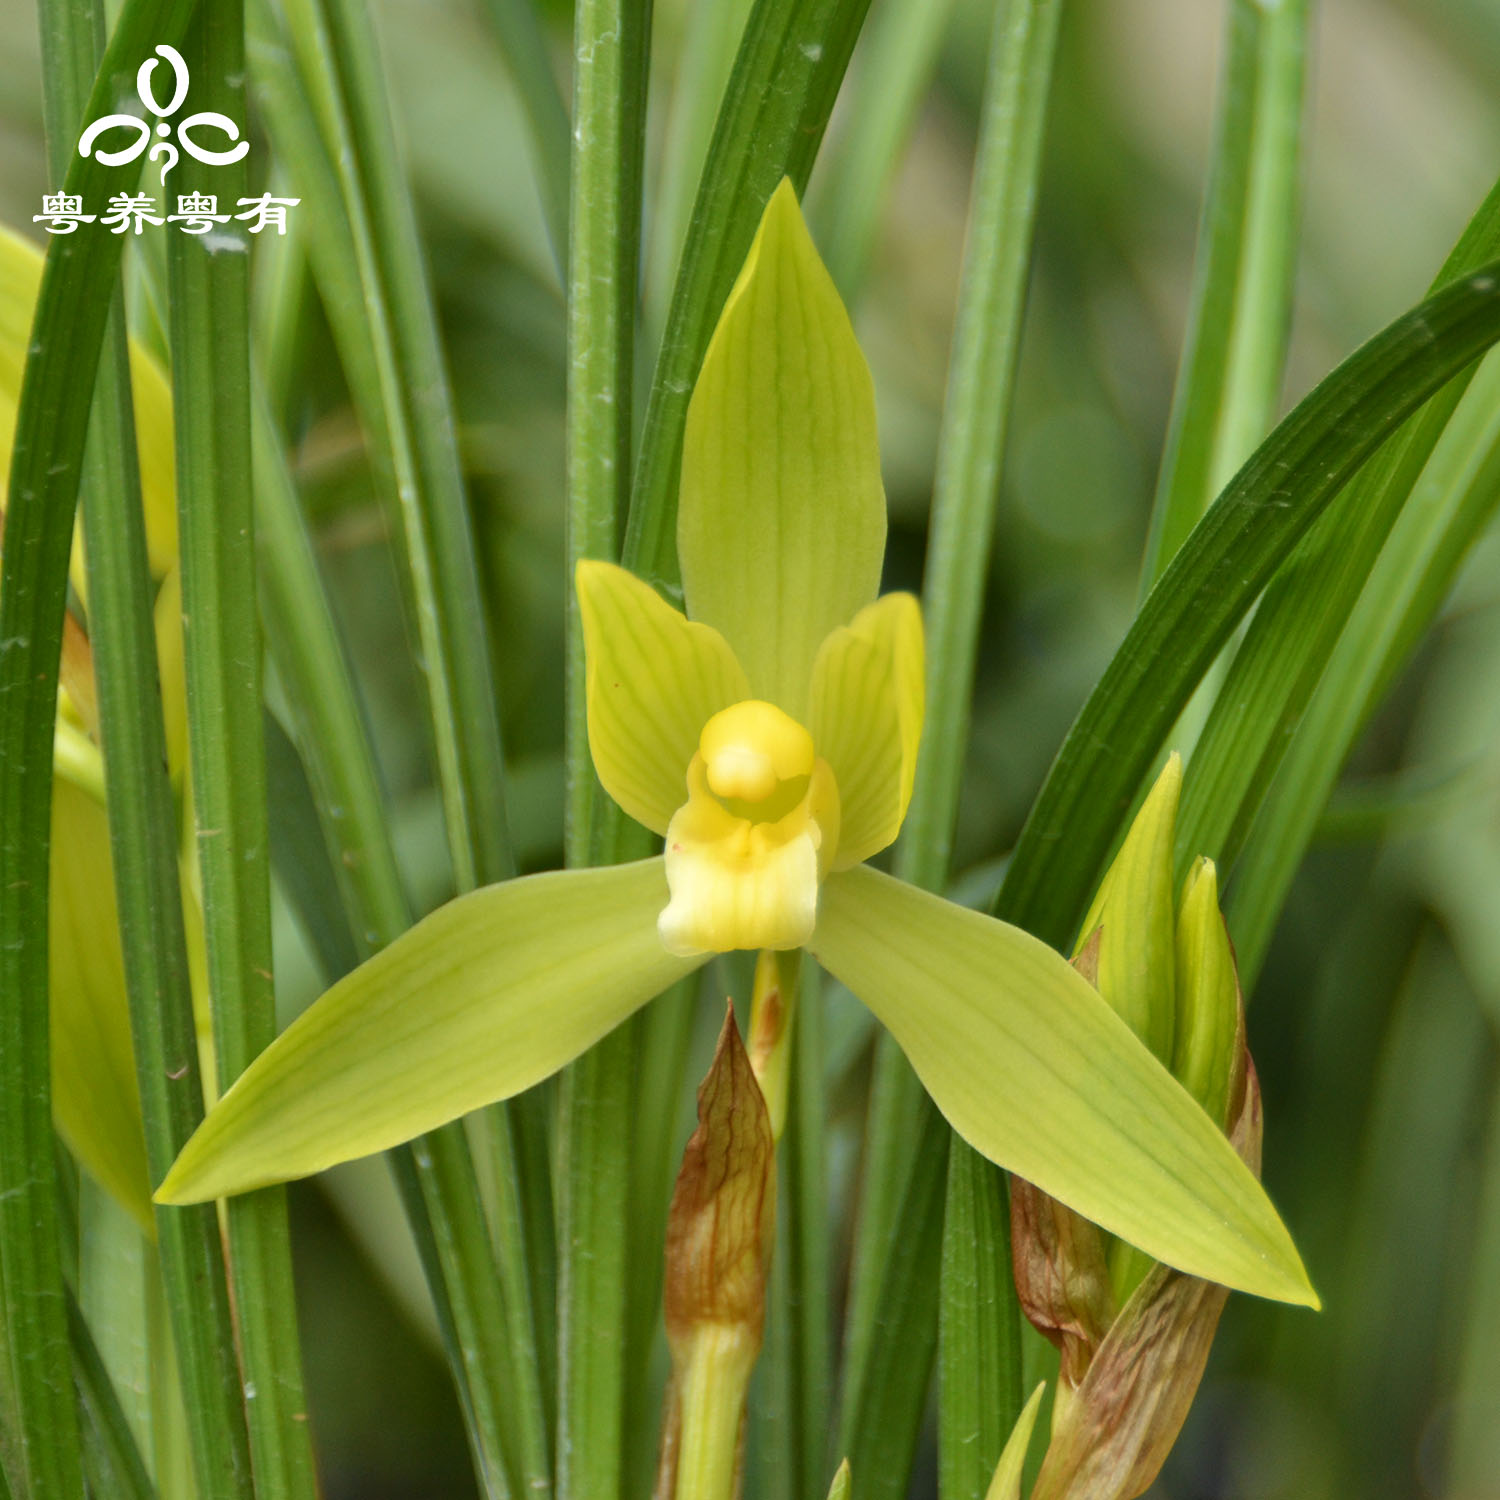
{"points": [[1208, 996], [654, 679], [95, 1098], [1038, 1074], [781, 525], [20, 281], [490, 994], [1135, 908], [1006, 1485]]}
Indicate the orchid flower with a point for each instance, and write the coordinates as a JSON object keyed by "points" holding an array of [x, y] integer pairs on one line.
{"points": [[770, 734]]}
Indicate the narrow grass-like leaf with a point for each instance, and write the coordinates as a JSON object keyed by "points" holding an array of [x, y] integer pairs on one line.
{"points": [[611, 53], [971, 446], [705, 57], [111, 1459], [144, 840], [209, 316], [436, 1178], [663, 1055], [809, 1268], [882, 1418], [1448, 509], [610, 42], [339, 62], [892, 75], [74, 305], [1287, 647], [326, 718], [979, 1334], [1212, 582], [788, 1443], [1230, 375], [387, 337], [114, 1263], [525, 48], [1475, 1449], [300, 862], [786, 76]]}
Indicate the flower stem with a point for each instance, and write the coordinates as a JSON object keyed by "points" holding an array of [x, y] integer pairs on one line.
{"points": [[712, 1397]]}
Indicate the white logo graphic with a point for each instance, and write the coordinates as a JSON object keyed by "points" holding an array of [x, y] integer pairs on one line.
{"points": [[163, 146]]}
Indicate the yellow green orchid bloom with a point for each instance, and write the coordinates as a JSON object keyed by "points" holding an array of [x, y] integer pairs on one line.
{"points": [[770, 734], [95, 1099]]}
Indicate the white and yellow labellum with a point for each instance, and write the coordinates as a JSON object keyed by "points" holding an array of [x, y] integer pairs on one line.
{"points": [[746, 852], [772, 804]]}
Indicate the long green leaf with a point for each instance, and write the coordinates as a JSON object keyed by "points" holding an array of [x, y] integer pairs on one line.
{"points": [[1212, 582], [1287, 647], [384, 324], [786, 76], [705, 57], [1230, 375], [611, 52], [525, 47], [110, 1456], [209, 314], [979, 1332], [339, 63], [893, 73], [882, 1418], [1448, 509], [327, 722], [971, 446], [1282, 659], [788, 1443], [46, 462]]}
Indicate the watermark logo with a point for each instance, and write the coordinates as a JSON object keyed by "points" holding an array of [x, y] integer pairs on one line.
{"points": [[130, 213], [163, 147]]}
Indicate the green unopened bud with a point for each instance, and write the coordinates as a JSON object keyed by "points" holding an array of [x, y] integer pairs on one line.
{"points": [[720, 1230], [1135, 1337], [1006, 1485], [1209, 1037], [1134, 912], [839, 1489]]}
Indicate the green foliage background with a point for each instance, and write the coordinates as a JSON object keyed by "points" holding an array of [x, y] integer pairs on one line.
{"points": [[1375, 1018]]}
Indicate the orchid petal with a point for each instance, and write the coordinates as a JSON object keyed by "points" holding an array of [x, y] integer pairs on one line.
{"points": [[1037, 1073], [866, 720], [781, 526], [490, 994], [654, 679]]}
